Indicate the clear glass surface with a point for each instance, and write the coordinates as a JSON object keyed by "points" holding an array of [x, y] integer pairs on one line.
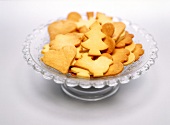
{"points": [[35, 41]]}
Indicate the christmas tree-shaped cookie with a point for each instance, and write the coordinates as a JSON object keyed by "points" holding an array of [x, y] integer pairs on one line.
{"points": [[94, 42]]}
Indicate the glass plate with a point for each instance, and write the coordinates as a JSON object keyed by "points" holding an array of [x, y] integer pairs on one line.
{"points": [[97, 88]]}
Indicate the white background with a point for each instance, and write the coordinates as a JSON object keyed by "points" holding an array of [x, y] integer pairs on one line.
{"points": [[28, 99]]}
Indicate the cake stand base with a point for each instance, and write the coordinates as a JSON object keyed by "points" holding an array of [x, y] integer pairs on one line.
{"points": [[91, 94]]}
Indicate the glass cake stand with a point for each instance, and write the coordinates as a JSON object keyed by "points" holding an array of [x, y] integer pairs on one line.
{"points": [[90, 89]]}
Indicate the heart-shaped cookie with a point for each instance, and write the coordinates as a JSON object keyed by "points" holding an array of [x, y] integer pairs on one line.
{"points": [[60, 59]]}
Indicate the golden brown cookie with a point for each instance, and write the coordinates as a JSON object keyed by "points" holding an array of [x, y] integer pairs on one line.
{"points": [[97, 67], [110, 43], [94, 42], [130, 47], [83, 29], [121, 37], [120, 55], [90, 15], [107, 55], [119, 29], [114, 69], [86, 23], [102, 18], [96, 25], [74, 16], [95, 31], [67, 39], [126, 41], [81, 73], [95, 45], [123, 50], [138, 51], [131, 59], [60, 59], [61, 27], [108, 29]]}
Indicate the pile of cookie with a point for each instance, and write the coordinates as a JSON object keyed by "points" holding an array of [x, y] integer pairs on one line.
{"points": [[92, 47]]}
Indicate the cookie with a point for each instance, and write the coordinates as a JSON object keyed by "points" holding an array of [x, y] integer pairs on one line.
{"points": [[61, 27], [67, 39], [97, 67], [86, 23], [126, 41], [131, 59], [110, 43], [138, 51], [90, 15], [81, 73], [96, 25], [102, 18], [86, 57], [94, 42], [108, 29], [95, 31], [120, 55], [94, 45], [114, 69], [121, 37], [60, 59], [130, 47], [107, 55], [74, 16], [119, 28], [123, 50], [83, 29]]}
